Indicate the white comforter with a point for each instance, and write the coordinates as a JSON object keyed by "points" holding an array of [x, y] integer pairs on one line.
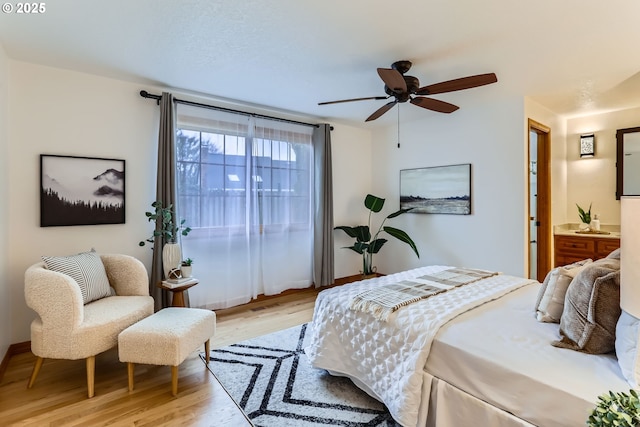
{"points": [[387, 358]]}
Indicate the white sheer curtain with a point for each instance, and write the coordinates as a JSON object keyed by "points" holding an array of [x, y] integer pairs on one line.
{"points": [[245, 186]]}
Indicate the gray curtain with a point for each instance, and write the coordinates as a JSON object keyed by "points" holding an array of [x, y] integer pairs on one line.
{"points": [[323, 262], [165, 192]]}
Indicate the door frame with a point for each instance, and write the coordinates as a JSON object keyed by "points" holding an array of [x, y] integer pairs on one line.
{"points": [[544, 235]]}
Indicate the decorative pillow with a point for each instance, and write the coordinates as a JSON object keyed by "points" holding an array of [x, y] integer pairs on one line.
{"points": [[550, 301], [627, 349], [592, 309], [87, 270], [615, 254]]}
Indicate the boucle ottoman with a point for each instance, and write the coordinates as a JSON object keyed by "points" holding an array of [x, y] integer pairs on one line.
{"points": [[166, 338]]}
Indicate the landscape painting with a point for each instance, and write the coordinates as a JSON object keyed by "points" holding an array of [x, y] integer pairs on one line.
{"points": [[437, 190], [81, 191]]}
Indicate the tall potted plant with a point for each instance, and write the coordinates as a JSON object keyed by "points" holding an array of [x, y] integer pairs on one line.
{"points": [[367, 244], [169, 230]]}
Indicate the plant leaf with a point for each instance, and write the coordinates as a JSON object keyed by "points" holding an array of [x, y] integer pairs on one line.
{"points": [[354, 248], [376, 245], [403, 237], [373, 203], [351, 231], [360, 232], [398, 213]]}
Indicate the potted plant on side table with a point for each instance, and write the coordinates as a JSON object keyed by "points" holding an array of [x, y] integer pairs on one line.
{"points": [[168, 229], [367, 244], [185, 268]]}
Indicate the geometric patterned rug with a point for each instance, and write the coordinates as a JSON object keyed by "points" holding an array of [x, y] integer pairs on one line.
{"points": [[275, 385]]}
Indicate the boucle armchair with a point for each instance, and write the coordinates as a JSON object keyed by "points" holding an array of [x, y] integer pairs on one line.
{"points": [[66, 328]]}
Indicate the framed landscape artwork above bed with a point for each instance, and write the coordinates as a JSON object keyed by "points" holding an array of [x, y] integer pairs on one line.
{"points": [[437, 190]]}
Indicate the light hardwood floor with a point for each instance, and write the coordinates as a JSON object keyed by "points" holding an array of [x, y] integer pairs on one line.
{"points": [[59, 396]]}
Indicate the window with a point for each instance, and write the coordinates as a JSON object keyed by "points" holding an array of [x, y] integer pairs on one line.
{"points": [[245, 187], [237, 175]]}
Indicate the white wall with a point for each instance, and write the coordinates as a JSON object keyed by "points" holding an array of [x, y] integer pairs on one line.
{"points": [[490, 137], [593, 180], [55, 111], [351, 156], [5, 288]]}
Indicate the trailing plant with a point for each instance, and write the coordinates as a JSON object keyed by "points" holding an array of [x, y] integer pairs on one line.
{"points": [[585, 217], [367, 244], [168, 228], [616, 409]]}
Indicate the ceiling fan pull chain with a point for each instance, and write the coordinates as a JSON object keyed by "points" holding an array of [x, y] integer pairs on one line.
{"points": [[398, 126]]}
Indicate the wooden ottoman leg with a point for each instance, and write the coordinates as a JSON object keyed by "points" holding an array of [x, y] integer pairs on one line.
{"points": [[174, 380], [207, 348], [36, 370], [91, 374], [130, 375]]}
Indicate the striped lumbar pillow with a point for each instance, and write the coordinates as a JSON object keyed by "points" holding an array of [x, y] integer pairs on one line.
{"points": [[86, 269]]}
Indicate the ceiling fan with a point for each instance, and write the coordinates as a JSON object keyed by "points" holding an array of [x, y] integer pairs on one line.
{"points": [[404, 88]]}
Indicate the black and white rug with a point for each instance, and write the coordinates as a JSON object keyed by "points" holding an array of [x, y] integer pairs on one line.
{"points": [[273, 382]]}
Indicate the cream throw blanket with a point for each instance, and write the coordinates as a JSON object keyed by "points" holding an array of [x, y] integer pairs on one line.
{"points": [[382, 301]]}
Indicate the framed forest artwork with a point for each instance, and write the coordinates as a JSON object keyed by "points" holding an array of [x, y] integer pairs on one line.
{"points": [[81, 190]]}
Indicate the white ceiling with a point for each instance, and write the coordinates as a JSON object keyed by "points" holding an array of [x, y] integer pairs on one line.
{"points": [[575, 57]]}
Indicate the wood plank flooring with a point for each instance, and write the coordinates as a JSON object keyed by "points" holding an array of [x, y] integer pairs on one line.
{"points": [[59, 396]]}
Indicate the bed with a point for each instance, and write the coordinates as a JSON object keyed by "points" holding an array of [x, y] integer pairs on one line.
{"points": [[475, 355]]}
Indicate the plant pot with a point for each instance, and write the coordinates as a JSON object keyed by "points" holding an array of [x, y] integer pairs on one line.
{"points": [[171, 258], [186, 271]]}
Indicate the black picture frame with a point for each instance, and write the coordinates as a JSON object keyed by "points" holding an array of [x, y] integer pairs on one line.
{"points": [[77, 190], [437, 190]]}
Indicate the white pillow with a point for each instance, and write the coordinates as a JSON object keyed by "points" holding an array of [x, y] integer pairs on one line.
{"points": [[550, 301], [87, 270], [627, 330]]}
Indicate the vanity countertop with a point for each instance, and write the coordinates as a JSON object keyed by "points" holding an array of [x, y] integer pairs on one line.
{"points": [[572, 229]]}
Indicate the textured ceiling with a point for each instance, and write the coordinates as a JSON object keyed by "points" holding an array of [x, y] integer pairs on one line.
{"points": [[574, 57]]}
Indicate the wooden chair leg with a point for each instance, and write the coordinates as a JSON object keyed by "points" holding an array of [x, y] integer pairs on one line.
{"points": [[91, 375], [207, 348], [174, 380], [130, 375], [35, 372]]}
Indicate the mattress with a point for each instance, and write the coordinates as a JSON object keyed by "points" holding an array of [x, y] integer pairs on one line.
{"points": [[500, 354], [387, 359]]}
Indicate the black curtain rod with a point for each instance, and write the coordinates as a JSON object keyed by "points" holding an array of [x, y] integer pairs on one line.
{"points": [[145, 94]]}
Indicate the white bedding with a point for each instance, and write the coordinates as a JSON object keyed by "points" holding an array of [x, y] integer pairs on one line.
{"points": [[387, 359], [501, 355]]}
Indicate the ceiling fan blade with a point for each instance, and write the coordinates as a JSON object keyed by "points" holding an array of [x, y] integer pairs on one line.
{"points": [[458, 84], [380, 111], [434, 104], [393, 79], [352, 99]]}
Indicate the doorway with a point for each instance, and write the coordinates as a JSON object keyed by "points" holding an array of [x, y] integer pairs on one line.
{"points": [[539, 200]]}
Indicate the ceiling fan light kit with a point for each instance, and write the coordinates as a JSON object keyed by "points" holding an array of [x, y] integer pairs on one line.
{"points": [[407, 88]]}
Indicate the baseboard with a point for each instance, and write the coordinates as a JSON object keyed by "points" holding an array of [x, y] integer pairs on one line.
{"points": [[348, 279], [14, 349]]}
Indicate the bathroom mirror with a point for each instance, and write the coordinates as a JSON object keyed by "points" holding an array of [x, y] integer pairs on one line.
{"points": [[628, 162]]}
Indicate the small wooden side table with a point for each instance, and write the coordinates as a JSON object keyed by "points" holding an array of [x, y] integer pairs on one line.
{"points": [[177, 290]]}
